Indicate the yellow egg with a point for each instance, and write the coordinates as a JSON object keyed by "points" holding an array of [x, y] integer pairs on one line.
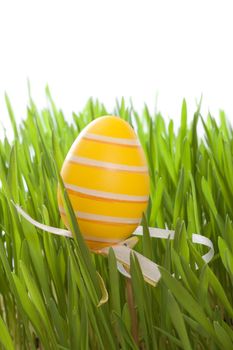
{"points": [[106, 177]]}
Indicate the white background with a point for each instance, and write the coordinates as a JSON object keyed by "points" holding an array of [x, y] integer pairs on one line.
{"points": [[109, 49]]}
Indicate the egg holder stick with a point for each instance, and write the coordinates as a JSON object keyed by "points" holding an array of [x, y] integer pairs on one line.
{"points": [[123, 251]]}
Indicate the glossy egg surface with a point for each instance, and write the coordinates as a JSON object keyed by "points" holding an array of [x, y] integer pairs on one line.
{"points": [[106, 176]]}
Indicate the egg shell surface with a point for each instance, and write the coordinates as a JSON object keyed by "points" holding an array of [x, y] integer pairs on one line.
{"points": [[106, 176]]}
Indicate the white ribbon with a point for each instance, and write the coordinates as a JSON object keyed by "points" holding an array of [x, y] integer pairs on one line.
{"points": [[170, 234], [51, 229], [122, 250]]}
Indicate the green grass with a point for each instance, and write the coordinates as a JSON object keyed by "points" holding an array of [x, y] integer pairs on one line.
{"points": [[52, 289]]}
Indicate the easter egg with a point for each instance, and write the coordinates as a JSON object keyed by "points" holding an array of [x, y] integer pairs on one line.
{"points": [[106, 176]]}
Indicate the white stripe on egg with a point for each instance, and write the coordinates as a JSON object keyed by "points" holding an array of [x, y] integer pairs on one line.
{"points": [[107, 165], [106, 195], [104, 218], [110, 139]]}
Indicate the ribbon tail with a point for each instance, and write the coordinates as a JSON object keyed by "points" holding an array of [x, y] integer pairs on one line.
{"points": [[51, 229], [170, 234], [199, 239]]}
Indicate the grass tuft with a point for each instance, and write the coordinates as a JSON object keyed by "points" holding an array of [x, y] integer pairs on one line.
{"points": [[55, 295]]}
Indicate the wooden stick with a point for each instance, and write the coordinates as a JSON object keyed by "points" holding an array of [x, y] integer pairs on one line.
{"points": [[132, 310]]}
